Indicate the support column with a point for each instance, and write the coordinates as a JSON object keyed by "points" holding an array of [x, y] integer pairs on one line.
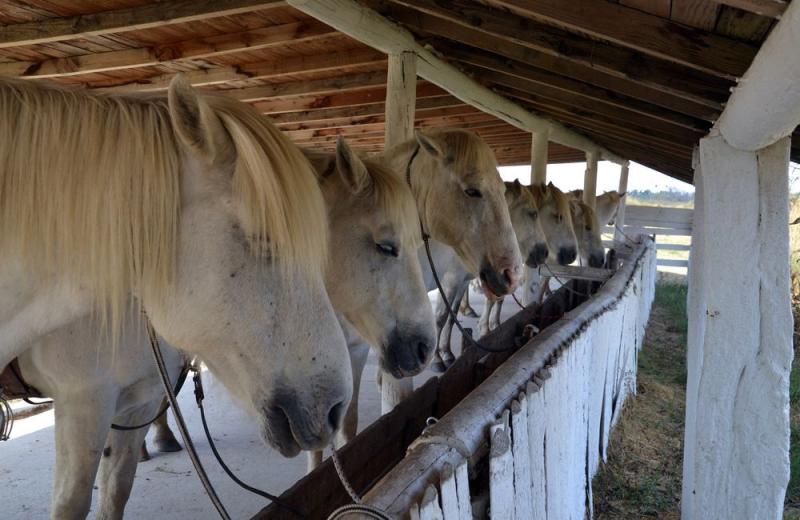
{"points": [[619, 222], [736, 449], [539, 157], [590, 180], [401, 100]]}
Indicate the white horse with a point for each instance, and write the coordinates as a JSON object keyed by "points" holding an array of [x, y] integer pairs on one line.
{"points": [[197, 210], [373, 240], [606, 205]]}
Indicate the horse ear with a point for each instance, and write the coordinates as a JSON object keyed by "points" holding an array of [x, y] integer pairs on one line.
{"points": [[197, 126], [351, 168], [429, 144]]}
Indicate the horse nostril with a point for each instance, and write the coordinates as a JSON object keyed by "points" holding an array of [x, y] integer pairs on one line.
{"points": [[335, 415], [422, 352], [507, 276]]}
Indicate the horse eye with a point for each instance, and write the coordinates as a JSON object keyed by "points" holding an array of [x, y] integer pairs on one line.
{"points": [[387, 249], [472, 192], [534, 215]]}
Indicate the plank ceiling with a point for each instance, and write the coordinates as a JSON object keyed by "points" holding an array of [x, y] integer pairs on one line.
{"points": [[644, 78]]}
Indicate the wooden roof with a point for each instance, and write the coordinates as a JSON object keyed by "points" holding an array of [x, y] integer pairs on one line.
{"points": [[644, 78]]}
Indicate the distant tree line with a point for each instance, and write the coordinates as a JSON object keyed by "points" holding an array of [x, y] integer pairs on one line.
{"points": [[670, 195]]}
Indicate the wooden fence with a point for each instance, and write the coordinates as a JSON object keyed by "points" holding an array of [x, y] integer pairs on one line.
{"points": [[672, 227], [527, 441]]}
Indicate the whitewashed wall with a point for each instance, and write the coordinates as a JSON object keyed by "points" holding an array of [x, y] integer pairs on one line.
{"points": [[546, 442]]}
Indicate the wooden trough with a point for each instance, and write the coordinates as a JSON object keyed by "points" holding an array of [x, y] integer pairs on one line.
{"points": [[518, 429]]}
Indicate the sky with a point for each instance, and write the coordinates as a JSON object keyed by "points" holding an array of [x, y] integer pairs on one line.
{"points": [[570, 177]]}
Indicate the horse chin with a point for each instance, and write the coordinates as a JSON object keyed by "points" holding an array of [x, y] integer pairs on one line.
{"points": [[277, 432]]}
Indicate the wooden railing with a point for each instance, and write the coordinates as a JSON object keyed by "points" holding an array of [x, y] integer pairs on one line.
{"points": [[670, 225], [526, 442]]}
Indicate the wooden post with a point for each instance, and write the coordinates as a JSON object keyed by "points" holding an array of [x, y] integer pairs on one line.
{"points": [[401, 100], [619, 222], [539, 157], [590, 180], [736, 462]]}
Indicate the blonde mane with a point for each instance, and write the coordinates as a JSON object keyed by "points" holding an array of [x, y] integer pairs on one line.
{"points": [[90, 190], [560, 199]]}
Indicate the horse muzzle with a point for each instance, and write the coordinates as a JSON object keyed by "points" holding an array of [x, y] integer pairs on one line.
{"points": [[596, 260], [291, 427], [406, 355], [537, 255], [499, 282], [567, 255]]}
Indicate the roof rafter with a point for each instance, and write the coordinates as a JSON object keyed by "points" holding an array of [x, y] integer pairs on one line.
{"points": [[120, 20]]}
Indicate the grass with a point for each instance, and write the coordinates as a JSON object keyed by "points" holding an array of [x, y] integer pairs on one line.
{"points": [[642, 478]]}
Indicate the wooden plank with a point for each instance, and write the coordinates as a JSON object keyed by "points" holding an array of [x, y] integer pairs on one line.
{"points": [[462, 486], [375, 109], [134, 18], [661, 214], [307, 87], [501, 477], [651, 35], [672, 263], [429, 507], [577, 273], [701, 14], [743, 25], [536, 449], [561, 52], [449, 495], [657, 7], [255, 39], [637, 230], [770, 8], [369, 27], [334, 61], [522, 469], [673, 247], [548, 84]]}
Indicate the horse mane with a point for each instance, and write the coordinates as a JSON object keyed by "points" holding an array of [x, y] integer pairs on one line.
{"points": [[560, 199], [587, 212], [90, 190], [465, 151], [388, 190], [523, 195]]}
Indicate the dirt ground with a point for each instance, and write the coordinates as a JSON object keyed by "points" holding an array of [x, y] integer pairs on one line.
{"points": [[642, 478]]}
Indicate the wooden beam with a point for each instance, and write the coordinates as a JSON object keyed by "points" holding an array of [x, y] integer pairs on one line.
{"points": [[619, 222], [590, 180], [401, 102], [769, 8], [129, 19], [589, 117], [260, 70], [372, 29], [364, 111], [211, 46], [342, 99], [765, 107], [543, 81], [643, 32], [306, 87], [615, 68], [539, 157], [580, 100]]}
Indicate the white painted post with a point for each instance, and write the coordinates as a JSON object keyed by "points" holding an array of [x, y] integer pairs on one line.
{"points": [[462, 487], [401, 99], [590, 180], [623, 188], [736, 462], [523, 503], [539, 157], [449, 494], [501, 476], [429, 507]]}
